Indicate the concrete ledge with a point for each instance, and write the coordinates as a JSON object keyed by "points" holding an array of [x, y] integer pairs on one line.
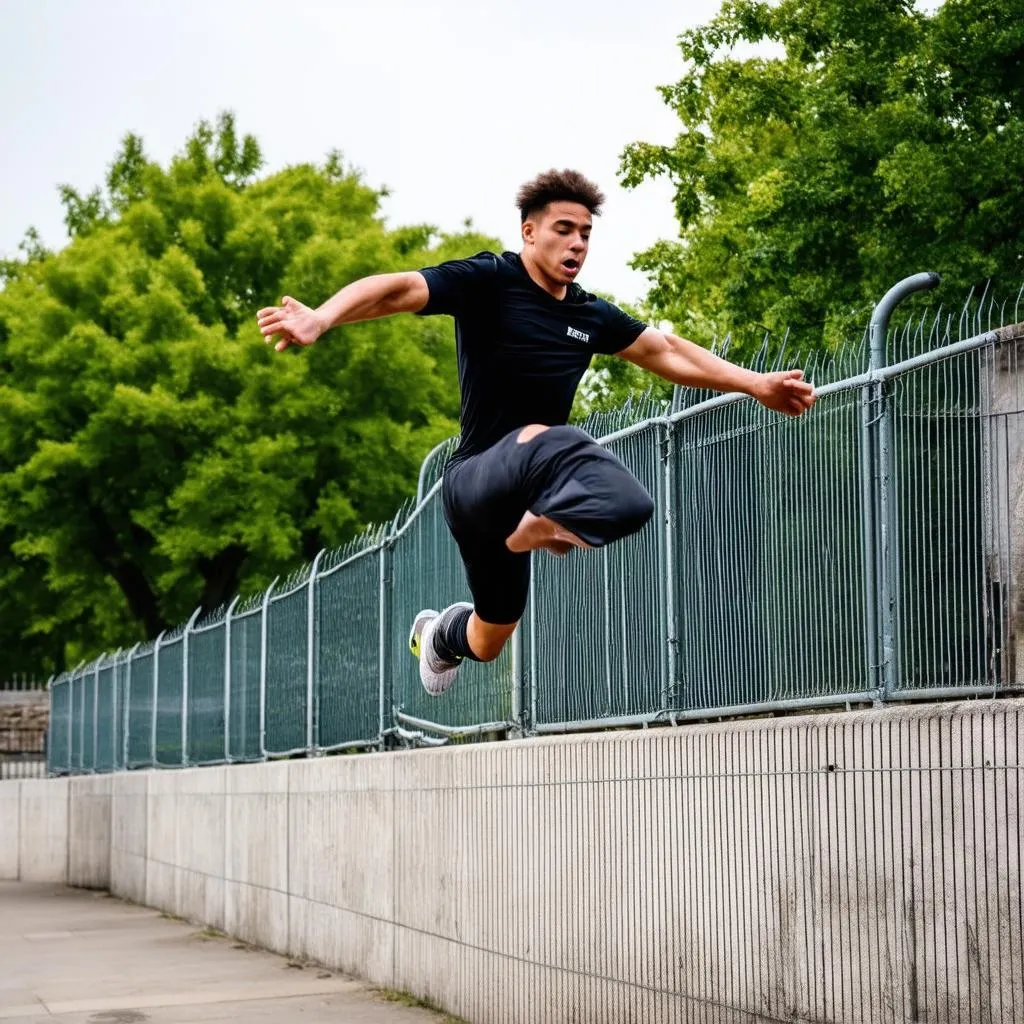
{"points": [[856, 866]]}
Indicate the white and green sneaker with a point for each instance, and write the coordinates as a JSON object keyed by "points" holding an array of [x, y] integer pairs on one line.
{"points": [[436, 675]]}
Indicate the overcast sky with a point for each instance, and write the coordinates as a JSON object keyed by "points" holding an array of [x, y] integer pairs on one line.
{"points": [[450, 103]]}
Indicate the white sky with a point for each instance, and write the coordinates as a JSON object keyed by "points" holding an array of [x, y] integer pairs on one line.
{"points": [[451, 103]]}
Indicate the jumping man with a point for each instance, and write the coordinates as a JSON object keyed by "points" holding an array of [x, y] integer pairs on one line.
{"points": [[521, 479]]}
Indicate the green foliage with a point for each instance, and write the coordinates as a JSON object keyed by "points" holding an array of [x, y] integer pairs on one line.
{"points": [[875, 141], [155, 454]]}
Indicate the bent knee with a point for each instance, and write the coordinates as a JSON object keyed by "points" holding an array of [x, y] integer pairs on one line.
{"points": [[530, 432]]}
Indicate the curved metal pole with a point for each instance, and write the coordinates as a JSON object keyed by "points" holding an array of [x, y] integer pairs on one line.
{"points": [[881, 560], [882, 312]]}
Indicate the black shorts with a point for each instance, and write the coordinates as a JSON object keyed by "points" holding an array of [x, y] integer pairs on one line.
{"points": [[561, 473]]}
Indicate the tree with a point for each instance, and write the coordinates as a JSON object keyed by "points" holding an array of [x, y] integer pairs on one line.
{"points": [[871, 141], [155, 454]]}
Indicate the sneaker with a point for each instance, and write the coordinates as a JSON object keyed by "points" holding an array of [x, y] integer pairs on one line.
{"points": [[435, 675]]}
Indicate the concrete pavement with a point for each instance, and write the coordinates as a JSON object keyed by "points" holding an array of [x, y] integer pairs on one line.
{"points": [[71, 956]]}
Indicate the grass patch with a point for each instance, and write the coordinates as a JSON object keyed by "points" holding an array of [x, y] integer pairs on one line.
{"points": [[209, 933], [391, 995]]}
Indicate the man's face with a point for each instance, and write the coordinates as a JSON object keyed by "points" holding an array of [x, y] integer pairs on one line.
{"points": [[558, 238]]}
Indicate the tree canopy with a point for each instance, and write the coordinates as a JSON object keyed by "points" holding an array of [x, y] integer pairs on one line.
{"points": [[154, 453], [865, 140]]}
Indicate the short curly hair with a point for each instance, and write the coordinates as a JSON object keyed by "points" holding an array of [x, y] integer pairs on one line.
{"points": [[558, 186]]}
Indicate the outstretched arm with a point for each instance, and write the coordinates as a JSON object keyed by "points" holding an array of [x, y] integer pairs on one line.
{"points": [[366, 299], [683, 362]]}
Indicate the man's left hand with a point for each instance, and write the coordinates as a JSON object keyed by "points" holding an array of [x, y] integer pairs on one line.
{"points": [[786, 392]]}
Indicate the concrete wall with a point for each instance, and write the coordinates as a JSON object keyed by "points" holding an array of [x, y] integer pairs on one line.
{"points": [[10, 830], [43, 832], [857, 867], [88, 863]]}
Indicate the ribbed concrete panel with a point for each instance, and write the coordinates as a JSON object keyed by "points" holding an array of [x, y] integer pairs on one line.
{"points": [[43, 836], [256, 862], [341, 863], [842, 868], [201, 834], [852, 868], [128, 834], [89, 831], [10, 829]]}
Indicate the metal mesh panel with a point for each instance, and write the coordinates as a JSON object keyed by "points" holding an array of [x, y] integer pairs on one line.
{"points": [[106, 714], [348, 652], [244, 713], [89, 720], [426, 572], [943, 634], [168, 703], [287, 679], [58, 749], [749, 587], [598, 646], [140, 710], [206, 694], [768, 560]]}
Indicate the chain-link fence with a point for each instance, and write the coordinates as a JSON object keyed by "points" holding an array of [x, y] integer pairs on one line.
{"points": [[870, 550]]}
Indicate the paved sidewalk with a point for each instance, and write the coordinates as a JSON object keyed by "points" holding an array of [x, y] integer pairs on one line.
{"points": [[77, 957]]}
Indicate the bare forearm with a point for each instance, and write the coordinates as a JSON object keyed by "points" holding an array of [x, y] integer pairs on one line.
{"points": [[695, 367], [373, 297]]}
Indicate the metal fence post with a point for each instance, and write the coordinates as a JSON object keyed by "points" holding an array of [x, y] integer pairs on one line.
{"points": [[227, 680], [78, 717], [885, 542], [156, 697], [870, 554], [668, 650], [95, 710], [518, 678], [49, 723], [184, 687], [531, 603], [115, 707], [311, 655], [263, 668], [383, 646], [126, 729]]}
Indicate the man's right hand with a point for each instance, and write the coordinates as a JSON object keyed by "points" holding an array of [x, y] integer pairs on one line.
{"points": [[292, 322]]}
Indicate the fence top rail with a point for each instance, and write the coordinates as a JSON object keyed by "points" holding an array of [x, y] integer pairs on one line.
{"points": [[1001, 336], [416, 513], [208, 627], [348, 561], [295, 583]]}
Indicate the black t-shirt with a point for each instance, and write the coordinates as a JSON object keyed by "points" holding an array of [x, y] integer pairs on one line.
{"points": [[521, 351]]}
